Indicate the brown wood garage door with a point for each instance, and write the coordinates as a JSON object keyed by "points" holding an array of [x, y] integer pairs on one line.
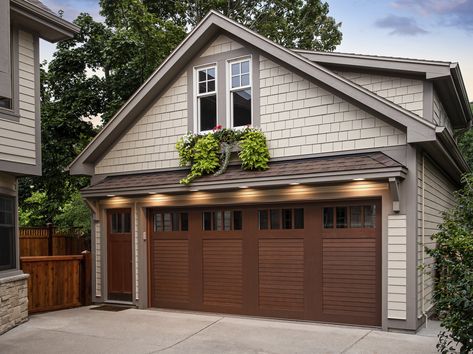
{"points": [[303, 261]]}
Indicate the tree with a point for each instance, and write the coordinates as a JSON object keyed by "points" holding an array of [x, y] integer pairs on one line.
{"points": [[465, 142], [453, 293], [93, 74]]}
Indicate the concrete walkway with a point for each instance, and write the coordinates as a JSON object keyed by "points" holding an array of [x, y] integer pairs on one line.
{"points": [[153, 331]]}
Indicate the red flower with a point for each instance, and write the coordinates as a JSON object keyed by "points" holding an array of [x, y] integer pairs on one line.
{"points": [[217, 127]]}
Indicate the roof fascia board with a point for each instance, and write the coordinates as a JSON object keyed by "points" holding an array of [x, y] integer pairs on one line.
{"points": [[345, 176], [448, 141], [461, 91], [430, 69], [49, 26], [417, 128]]}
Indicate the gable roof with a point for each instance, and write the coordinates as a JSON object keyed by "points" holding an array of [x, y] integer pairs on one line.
{"points": [[446, 76], [214, 23]]}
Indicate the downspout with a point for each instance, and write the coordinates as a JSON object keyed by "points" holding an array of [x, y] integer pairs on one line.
{"points": [[424, 313]]}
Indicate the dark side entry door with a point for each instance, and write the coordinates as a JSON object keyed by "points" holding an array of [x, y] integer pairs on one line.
{"points": [[119, 255]]}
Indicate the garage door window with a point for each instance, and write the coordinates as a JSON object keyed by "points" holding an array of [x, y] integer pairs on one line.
{"points": [[222, 220], [276, 219], [355, 217], [167, 222]]}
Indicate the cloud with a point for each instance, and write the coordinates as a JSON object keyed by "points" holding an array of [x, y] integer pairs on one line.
{"points": [[403, 26], [73, 8], [457, 13]]}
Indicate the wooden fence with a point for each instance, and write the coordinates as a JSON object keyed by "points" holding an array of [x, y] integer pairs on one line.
{"points": [[58, 282], [52, 241]]}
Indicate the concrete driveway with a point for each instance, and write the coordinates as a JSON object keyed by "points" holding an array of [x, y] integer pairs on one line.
{"points": [[88, 331]]}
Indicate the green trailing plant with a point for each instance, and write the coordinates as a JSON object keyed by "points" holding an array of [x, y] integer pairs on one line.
{"points": [[254, 154], [211, 153], [453, 293]]}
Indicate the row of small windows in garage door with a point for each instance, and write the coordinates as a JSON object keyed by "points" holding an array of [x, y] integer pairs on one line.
{"points": [[340, 217]]}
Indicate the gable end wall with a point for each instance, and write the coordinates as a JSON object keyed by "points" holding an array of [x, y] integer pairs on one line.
{"points": [[297, 116]]}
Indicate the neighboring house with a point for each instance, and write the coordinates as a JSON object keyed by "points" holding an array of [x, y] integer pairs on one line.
{"points": [[363, 164], [22, 23]]}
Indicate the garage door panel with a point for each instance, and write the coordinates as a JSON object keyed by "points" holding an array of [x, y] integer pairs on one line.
{"points": [[170, 271], [222, 272], [350, 278], [281, 274]]}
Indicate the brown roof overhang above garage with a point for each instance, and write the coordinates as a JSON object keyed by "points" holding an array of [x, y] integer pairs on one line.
{"points": [[373, 165]]}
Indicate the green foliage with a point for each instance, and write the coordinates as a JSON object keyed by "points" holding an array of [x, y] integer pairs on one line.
{"points": [[303, 24], [453, 294], [465, 143], [74, 213], [205, 157], [93, 74], [254, 152], [32, 211], [211, 152]]}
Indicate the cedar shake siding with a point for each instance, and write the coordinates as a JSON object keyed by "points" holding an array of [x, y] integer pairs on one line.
{"points": [[405, 92]]}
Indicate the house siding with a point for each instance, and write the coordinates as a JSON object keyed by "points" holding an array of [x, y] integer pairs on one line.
{"points": [[301, 118], [220, 45], [438, 198], [440, 115], [405, 92], [397, 267], [151, 141], [18, 138]]}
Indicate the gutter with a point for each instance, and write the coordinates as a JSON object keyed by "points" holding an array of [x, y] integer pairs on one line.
{"points": [[447, 139]]}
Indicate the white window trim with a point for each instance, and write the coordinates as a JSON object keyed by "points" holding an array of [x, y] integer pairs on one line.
{"points": [[196, 95], [229, 90]]}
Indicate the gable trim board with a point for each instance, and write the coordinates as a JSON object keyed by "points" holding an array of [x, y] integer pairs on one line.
{"points": [[417, 128]]}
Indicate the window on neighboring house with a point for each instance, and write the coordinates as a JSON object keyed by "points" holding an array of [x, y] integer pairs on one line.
{"points": [[206, 98], [240, 92], [7, 233]]}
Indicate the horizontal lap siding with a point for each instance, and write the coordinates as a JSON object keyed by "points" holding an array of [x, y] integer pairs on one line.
{"points": [[18, 139], [300, 117], [438, 198], [151, 141], [397, 267], [405, 92]]}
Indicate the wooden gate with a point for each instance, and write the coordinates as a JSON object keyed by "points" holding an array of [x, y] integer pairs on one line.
{"points": [[58, 282]]}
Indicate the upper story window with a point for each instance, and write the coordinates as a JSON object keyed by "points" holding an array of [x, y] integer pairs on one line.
{"points": [[206, 98], [240, 92]]}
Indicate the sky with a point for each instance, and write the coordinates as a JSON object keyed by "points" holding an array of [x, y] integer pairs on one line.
{"points": [[420, 29]]}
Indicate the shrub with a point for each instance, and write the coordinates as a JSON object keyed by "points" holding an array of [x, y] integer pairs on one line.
{"points": [[453, 293]]}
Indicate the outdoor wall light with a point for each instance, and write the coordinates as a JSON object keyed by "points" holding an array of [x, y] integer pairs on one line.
{"points": [[358, 179], [110, 195], [294, 183]]}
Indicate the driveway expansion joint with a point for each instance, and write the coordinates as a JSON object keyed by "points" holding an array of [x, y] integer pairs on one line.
{"points": [[355, 342], [188, 337]]}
